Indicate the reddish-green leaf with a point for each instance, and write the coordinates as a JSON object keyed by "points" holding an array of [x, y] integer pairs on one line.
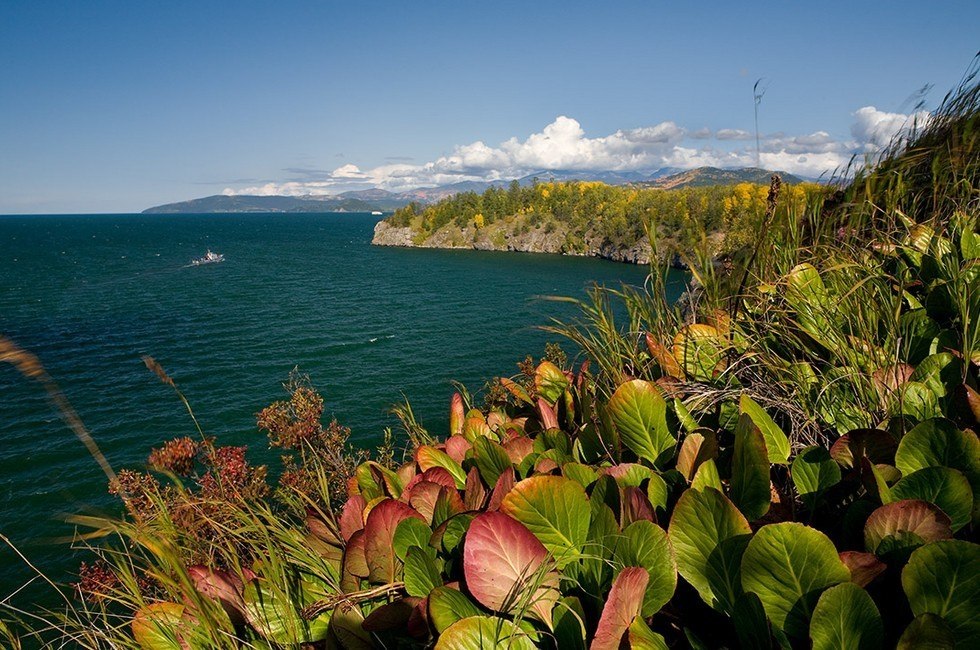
{"points": [[912, 522], [506, 567], [555, 509], [379, 532], [623, 605]]}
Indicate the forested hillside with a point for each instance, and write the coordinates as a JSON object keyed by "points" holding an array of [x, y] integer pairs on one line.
{"points": [[590, 218]]}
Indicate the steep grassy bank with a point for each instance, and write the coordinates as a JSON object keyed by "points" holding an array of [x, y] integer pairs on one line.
{"points": [[791, 461]]}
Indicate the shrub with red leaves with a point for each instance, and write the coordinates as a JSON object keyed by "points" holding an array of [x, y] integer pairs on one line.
{"points": [[96, 581], [178, 456]]}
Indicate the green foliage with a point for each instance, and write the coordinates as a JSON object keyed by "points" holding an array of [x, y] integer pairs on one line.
{"points": [[828, 376], [788, 565], [581, 215], [709, 535], [941, 579], [846, 618]]}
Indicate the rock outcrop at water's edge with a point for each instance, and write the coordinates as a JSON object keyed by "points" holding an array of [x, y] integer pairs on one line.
{"points": [[534, 241]]}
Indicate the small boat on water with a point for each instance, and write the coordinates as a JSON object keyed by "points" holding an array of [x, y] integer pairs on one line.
{"points": [[376, 213], [209, 258]]}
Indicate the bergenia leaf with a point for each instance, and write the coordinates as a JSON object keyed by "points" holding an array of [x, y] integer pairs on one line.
{"points": [[507, 568], [379, 533], [555, 509], [623, 605]]}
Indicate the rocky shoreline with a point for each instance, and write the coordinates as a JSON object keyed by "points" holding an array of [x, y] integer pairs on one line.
{"points": [[534, 241]]}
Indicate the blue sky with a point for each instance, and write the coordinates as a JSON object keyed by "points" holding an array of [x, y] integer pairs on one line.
{"points": [[116, 106]]}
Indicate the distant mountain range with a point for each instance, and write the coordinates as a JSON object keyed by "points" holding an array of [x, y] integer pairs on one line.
{"points": [[378, 200], [703, 176]]}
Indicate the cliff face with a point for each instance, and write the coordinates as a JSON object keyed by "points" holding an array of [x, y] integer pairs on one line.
{"points": [[537, 240]]}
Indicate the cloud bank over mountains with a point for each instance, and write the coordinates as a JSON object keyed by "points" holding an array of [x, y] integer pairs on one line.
{"points": [[563, 144]]}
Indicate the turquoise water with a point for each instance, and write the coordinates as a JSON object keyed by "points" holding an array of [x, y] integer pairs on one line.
{"points": [[91, 294]]}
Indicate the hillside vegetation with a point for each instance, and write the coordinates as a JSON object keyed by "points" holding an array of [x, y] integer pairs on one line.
{"points": [[592, 218], [790, 460]]}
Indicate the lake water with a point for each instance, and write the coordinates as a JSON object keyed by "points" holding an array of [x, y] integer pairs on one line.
{"points": [[91, 294]]}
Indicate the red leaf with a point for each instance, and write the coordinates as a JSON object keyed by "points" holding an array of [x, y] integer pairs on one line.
{"points": [[635, 506], [502, 563], [549, 420], [622, 606], [475, 494], [545, 466], [354, 563], [423, 497], [501, 488], [223, 586], [456, 414], [379, 531], [864, 567], [352, 516], [439, 475], [910, 515], [456, 447], [418, 620], [518, 448]]}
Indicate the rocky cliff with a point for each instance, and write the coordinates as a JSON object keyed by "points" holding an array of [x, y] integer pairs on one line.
{"points": [[535, 240]]}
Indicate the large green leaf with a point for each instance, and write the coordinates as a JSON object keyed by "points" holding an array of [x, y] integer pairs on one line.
{"points": [[448, 605], [639, 413], [751, 624], [788, 565], [814, 472], [777, 444], [410, 532], [641, 637], [555, 509], [699, 349], [549, 381], [428, 457], [941, 579], [807, 295], [915, 400], [750, 470], [346, 629], [938, 442], [570, 624], [917, 331], [926, 632], [709, 535], [942, 487], [584, 475], [645, 544], [939, 372], [707, 476], [491, 459], [421, 573], [480, 632], [846, 618]]}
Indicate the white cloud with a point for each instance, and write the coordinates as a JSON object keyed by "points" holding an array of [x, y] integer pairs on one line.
{"points": [[733, 134], [563, 144], [875, 129]]}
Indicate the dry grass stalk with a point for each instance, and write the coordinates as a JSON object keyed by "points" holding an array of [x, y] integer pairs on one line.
{"points": [[30, 366]]}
